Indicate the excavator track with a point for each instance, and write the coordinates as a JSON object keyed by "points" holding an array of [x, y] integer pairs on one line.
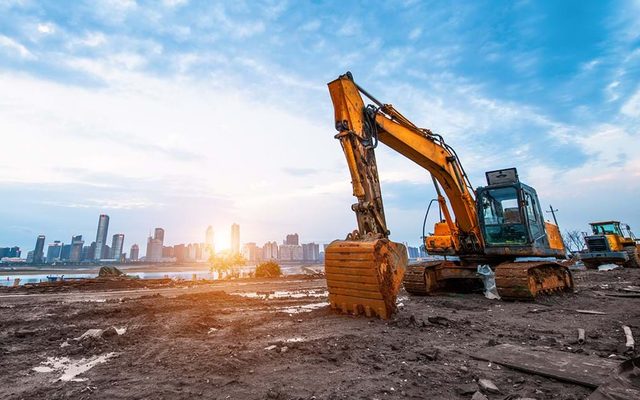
{"points": [[419, 279], [364, 276], [527, 280]]}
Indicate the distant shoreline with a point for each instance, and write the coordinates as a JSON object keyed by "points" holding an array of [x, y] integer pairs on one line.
{"points": [[128, 268]]}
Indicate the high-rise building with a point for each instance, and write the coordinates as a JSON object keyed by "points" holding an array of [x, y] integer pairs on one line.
{"points": [[10, 252], [101, 236], [54, 251], [413, 252], [135, 252], [65, 253], [38, 253], [117, 245], [290, 252], [106, 252], [193, 251], [292, 239], [251, 252], [209, 238], [235, 239], [154, 249], [158, 234], [270, 251], [180, 252], [76, 248], [310, 252]]}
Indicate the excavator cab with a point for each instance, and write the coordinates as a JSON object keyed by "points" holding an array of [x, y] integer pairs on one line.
{"points": [[511, 218]]}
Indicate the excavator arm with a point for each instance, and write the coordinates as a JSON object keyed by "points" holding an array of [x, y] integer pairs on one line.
{"points": [[361, 127]]}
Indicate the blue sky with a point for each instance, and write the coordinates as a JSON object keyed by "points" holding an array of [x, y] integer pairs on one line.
{"points": [[183, 114]]}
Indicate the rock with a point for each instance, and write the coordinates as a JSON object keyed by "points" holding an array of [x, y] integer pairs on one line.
{"points": [[110, 272], [284, 349], [109, 333], [487, 386], [430, 354], [439, 320], [90, 333], [463, 368], [479, 396], [467, 388]]}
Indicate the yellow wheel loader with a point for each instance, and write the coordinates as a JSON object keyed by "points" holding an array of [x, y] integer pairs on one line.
{"points": [[611, 243], [495, 225]]}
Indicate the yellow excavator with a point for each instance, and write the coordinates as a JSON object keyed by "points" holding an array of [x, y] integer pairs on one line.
{"points": [[496, 225]]}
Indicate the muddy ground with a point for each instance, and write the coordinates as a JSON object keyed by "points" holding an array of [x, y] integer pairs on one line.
{"points": [[207, 341]]}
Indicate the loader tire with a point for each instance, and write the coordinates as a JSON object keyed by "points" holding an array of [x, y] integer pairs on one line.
{"points": [[634, 258]]}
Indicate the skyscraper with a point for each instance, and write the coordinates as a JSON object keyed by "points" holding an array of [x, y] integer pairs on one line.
{"points": [[117, 244], [38, 253], [292, 239], [54, 251], [76, 248], [154, 248], [270, 251], [134, 253], [101, 236], [310, 252], [159, 235], [208, 240], [235, 239]]}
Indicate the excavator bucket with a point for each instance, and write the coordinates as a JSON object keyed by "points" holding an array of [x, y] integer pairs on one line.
{"points": [[364, 276]]}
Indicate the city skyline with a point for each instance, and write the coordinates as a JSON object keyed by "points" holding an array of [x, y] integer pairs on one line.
{"points": [[291, 249]]}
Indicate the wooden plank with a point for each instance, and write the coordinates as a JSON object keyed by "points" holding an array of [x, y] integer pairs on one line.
{"points": [[591, 312], [583, 370]]}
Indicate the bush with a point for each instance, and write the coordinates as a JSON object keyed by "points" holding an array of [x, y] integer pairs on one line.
{"points": [[268, 269]]}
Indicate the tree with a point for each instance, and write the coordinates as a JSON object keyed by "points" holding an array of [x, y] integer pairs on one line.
{"points": [[269, 269], [573, 241], [224, 263]]}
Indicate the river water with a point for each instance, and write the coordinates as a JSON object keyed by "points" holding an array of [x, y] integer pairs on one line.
{"points": [[8, 278]]}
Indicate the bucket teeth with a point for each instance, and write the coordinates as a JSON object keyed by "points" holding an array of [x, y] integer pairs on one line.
{"points": [[364, 276]]}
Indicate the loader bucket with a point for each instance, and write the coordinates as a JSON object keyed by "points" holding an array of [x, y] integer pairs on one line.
{"points": [[364, 276]]}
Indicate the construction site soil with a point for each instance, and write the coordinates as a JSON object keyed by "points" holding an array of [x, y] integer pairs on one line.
{"points": [[278, 339]]}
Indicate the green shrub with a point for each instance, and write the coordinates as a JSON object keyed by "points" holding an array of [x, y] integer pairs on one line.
{"points": [[268, 269]]}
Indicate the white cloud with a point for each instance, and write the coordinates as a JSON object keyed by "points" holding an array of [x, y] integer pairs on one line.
{"points": [[311, 26], [46, 28], [631, 107], [415, 33], [15, 47], [91, 39], [174, 3], [186, 136]]}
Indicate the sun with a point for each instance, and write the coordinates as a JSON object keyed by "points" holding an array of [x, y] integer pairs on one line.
{"points": [[221, 243]]}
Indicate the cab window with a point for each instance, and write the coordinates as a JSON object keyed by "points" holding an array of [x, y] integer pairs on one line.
{"points": [[501, 216]]}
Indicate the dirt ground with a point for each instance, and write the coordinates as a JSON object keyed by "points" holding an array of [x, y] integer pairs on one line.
{"points": [[211, 341]]}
